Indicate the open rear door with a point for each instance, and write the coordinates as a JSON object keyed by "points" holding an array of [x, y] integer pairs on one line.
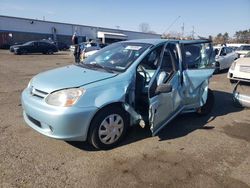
{"points": [[198, 68]]}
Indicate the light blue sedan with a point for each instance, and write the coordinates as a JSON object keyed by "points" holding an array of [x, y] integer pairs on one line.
{"points": [[145, 82]]}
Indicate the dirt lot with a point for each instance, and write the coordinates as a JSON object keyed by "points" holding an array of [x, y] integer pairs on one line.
{"points": [[211, 151]]}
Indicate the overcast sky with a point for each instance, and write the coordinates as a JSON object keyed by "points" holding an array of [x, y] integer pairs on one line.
{"points": [[208, 17]]}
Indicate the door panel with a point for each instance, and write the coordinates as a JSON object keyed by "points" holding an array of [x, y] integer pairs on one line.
{"points": [[164, 105], [195, 82]]}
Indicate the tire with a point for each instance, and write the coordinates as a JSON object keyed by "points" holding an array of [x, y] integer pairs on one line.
{"points": [[101, 136], [23, 52], [217, 68], [50, 52], [232, 81], [208, 106]]}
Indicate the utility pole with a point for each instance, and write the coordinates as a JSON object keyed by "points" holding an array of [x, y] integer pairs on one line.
{"points": [[182, 30], [193, 32]]}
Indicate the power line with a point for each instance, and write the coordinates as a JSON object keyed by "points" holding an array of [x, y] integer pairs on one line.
{"points": [[172, 24]]}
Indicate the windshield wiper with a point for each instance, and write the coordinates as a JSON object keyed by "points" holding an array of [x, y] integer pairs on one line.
{"points": [[96, 65]]}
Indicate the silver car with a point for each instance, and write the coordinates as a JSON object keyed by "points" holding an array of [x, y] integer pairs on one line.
{"points": [[145, 82]]}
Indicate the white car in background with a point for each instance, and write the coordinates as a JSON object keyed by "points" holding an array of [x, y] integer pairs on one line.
{"points": [[234, 46], [224, 57], [239, 72], [240, 69], [243, 50]]}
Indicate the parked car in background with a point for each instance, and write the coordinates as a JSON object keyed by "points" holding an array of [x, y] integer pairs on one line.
{"points": [[34, 47], [224, 57], [243, 50], [89, 49], [234, 46], [240, 69], [126, 83], [62, 46], [239, 73]]}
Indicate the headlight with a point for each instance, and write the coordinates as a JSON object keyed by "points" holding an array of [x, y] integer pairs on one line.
{"points": [[29, 84], [65, 98], [233, 66]]}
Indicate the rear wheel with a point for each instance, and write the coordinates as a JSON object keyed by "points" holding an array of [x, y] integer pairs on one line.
{"points": [[108, 127], [208, 106]]}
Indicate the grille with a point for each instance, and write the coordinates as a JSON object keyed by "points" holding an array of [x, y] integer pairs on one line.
{"points": [[38, 93], [34, 121], [245, 69]]}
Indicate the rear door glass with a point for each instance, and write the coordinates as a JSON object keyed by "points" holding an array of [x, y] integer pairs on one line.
{"points": [[198, 56]]}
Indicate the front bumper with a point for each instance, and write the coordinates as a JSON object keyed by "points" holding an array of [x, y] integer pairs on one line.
{"points": [[241, 99], [66, 123], [238, 75]]}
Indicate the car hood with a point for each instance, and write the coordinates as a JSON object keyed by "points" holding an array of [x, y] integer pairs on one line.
{"points": [[16, 46], [67, 77], [242, 51], [243, 61]]}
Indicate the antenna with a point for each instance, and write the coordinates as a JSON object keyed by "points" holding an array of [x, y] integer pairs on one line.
{"points": [[172, 24]]}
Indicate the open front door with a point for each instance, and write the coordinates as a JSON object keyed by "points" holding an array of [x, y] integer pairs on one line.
{"points": [[164, 97]]}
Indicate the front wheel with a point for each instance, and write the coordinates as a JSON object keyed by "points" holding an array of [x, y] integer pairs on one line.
{"points": [[50, 52], [108, 127], [217, 68], [208, 106]]}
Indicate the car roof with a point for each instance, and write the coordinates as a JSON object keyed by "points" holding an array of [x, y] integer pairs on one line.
{"points": [[159, 41]]}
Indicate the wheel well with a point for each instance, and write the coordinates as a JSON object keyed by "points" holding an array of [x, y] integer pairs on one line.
{"points": [[116, 104]]}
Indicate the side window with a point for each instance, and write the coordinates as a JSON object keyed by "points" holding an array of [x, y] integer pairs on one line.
{"points": [[229, 50], [168, 66], [150, 63], [198, 56], [223, 51], [246, 48], [41, 44]]}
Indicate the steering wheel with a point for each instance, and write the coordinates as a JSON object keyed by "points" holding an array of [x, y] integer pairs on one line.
{"points": [[146, 75]]}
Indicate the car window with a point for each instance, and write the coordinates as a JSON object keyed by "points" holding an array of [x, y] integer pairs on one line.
{"points": [[42, 44], [150, 62], [246, 48], [247, 55], [29, 43], [197, 56], [88, 49], [229, 50], [223, 51], [216, 51]]}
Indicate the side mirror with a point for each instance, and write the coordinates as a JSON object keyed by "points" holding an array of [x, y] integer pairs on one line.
{"points": [[163, 88], [224, 53]]}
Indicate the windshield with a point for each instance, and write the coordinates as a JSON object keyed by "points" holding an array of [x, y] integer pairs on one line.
{"points": [[244, 48], [117, 56], [247, 55]]}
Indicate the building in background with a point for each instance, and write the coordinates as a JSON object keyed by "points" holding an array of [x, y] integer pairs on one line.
{"points": [[19, 30]]}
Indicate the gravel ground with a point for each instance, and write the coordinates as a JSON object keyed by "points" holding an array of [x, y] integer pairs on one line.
{"points": [[192, 151]]}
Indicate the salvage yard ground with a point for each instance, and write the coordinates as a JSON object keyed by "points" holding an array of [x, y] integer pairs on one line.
{"points": [[211, 151]]}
